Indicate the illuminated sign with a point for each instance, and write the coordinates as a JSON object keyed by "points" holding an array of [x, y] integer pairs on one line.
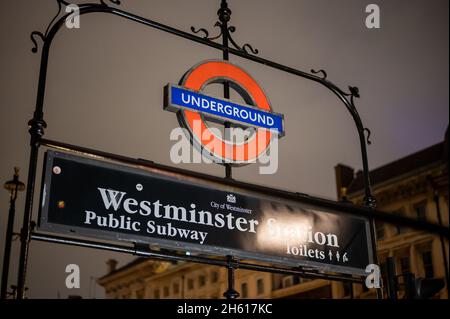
{"points": [[89, 197], [222, 110], [194, 108]]}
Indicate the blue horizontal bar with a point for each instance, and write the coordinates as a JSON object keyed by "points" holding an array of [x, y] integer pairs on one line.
{"points": [[224, 110]]}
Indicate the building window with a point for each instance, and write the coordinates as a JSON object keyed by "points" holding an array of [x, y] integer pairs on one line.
{"points": [[260, 286], [156, 294], [398, 228], [421, 210], [190, 283], [202, 280], [214, 276], [428, 264], [176, 288], [348, 289], [379, 227], [244, 290], [140, 294], [166, 291], [364, 288], [287, 281], [404, 265]]}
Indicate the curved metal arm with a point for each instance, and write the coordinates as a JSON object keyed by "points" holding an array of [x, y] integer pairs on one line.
{"points": [[37, 123]]}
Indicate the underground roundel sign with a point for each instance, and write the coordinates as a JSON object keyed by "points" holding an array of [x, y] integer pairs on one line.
{"points": [[194, 108]]}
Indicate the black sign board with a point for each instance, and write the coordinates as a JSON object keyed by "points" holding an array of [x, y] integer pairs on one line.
{"points": [[101, 199]]}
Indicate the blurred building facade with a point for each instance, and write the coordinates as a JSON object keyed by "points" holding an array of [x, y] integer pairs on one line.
{"points": [[415, 186]]}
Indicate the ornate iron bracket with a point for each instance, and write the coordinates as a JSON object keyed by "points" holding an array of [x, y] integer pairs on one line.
{"points": [[349, 98], [61, 4], [224, 14]]}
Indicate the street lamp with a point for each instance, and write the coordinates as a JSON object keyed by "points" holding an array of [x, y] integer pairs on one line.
{"points": [[13, 187]]}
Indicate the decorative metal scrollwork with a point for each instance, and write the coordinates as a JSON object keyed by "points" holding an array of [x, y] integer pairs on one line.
{"points": [[200, 30], [354, 91], [224, 14], [245, 47], [33, 39], [321, 71], [366, 130], [117, 2], [60, 3], [207, 37]]}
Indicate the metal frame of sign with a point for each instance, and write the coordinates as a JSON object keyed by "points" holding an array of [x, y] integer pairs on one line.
{"points": [[45, 225], [228, 46]]}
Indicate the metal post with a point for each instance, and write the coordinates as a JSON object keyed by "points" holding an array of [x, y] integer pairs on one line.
{"points": [[8, 243], [369, 202], [373, 239], [224, 14], [231, 293], [391, 278], [369, 199], [13, 186], [37, 126]]}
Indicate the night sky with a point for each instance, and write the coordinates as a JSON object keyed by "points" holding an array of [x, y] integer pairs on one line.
{"points": [[105, 90]]}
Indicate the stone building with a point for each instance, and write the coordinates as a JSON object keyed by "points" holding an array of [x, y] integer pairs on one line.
{"points": [[145, 278], [415, 186]]}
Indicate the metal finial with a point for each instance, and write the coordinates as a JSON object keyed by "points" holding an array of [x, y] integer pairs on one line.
{"points": [[224, 15]]}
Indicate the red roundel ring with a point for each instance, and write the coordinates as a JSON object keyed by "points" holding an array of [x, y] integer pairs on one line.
{"points": [[214, 71]]}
